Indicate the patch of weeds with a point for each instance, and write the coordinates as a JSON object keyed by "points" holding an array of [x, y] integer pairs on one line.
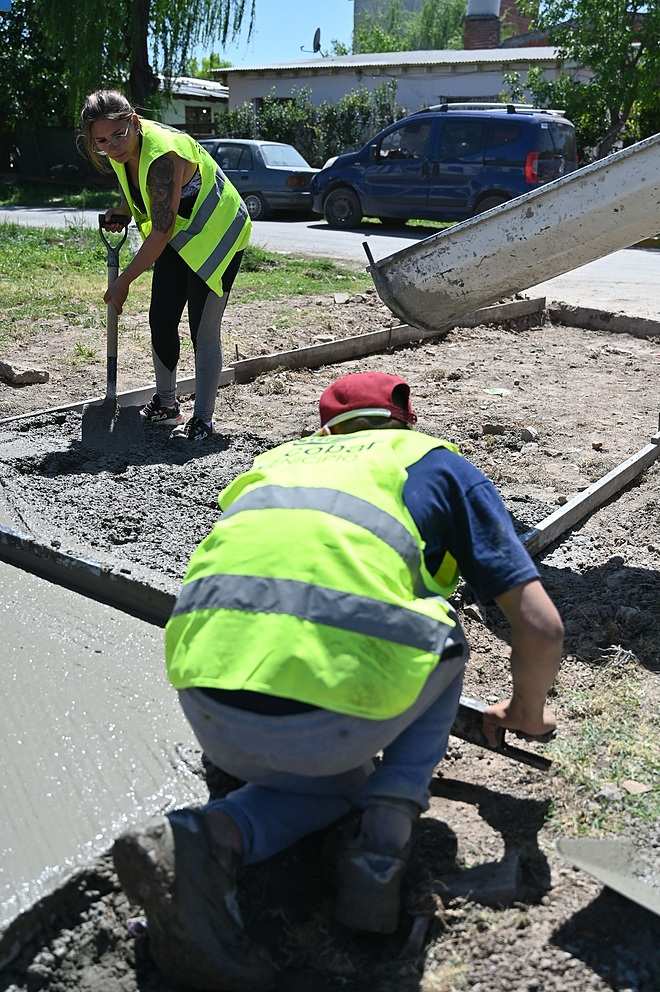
{"points": [[447, 977], [50, 273], [273, 276], [258, 260], [608, 737], [83, 353]]}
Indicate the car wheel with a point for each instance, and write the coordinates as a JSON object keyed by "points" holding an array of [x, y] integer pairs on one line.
{"points": [[489, 202], [342, 208], [256, 206], [394, 221]]}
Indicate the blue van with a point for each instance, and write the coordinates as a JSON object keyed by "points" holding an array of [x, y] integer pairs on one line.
{"points": [[446, 163]]}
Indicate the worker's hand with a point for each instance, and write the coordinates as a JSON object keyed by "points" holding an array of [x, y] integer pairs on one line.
{"points": [[116, 228], [538, 721], [117, 293]]}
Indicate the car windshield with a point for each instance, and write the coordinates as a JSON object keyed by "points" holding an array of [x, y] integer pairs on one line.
{"points": [[284, 155]]}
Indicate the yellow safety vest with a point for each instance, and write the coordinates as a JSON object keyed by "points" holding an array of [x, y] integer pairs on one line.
{"points": [[312, 585], [219, 224]]}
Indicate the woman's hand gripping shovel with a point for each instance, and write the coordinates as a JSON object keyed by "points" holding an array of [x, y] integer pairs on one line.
{"points": [[106, 425]]}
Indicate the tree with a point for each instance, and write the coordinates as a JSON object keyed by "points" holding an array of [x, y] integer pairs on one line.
{"points": [[438, 25], [134, 40], [209, 64], [31, 76], [619, 42]]}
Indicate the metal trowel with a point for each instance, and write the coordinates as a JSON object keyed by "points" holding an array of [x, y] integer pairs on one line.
{"points": [[106, 425]]}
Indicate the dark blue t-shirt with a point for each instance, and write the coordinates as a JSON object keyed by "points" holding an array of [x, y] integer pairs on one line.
{"points": [[457, 509]]}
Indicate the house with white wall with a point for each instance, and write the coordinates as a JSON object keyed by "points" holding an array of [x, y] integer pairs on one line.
{"points": [[192, 104], [423, 78]]}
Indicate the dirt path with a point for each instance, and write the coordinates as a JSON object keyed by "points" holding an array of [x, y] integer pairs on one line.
{"points": [[585, 401]]}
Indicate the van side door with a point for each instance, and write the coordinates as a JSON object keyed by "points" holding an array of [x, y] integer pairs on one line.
{"points": [[457, 166], [396, 175]]}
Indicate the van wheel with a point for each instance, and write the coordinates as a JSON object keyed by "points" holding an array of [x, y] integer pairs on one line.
{"points": [[489, 202], [342, 208], [256, 206]]}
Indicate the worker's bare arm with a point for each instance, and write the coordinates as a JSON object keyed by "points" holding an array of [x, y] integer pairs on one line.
{"points": [[164, 183], [537, 636]]}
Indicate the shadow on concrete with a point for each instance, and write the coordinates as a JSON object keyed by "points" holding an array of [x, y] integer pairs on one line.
{"points": [[396, 230], [617, 939], [156, 450]]}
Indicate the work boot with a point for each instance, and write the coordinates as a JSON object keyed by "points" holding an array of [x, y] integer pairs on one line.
{"points": [[371, 868], [186, 882]]}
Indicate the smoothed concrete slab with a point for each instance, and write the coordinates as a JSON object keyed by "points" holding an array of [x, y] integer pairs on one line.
{"points": [[93, 737]]}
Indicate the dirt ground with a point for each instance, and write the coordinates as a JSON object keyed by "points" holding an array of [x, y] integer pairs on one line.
{"points": [[74, 355], [585, 401]]}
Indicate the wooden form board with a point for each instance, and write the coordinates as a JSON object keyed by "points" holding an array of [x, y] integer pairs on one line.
{"points": [[130, 397], [591, 319], [550, 529], [341, 350], [346, 349]]}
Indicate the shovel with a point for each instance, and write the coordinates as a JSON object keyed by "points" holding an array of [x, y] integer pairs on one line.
{"points": [[105, 425]]}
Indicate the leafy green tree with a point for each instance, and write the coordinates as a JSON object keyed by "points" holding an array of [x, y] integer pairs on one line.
{"points": [[316, 131], [32, 74], [134, 40], [205, 69], [618, 41], [438, 25]]}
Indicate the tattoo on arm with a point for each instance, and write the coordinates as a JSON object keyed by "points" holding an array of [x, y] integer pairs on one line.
{"points": [[161, 186]]}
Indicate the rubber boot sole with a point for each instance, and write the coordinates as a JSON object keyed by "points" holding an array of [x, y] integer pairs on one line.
{"points": [[186, 927]]}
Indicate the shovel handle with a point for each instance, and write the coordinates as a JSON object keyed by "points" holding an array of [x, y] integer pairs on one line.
{"points": [[104, 223]]}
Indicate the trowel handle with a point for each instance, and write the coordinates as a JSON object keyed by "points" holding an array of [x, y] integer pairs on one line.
{"points": [[112, 325]]}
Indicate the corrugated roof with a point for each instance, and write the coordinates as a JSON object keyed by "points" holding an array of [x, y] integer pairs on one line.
{"points": [[192, 86], [450, 56]]}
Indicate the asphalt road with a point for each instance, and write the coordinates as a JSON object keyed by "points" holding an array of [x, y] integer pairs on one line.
{"points": [[625, 281]]}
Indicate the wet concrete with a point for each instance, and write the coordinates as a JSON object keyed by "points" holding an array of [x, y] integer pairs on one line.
{"points": [[141, 511], [93, 737]]}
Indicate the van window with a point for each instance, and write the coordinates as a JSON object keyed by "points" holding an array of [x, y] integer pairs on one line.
{"points": [[408, 142], [563, 137], [461, 140], [502, 141]]}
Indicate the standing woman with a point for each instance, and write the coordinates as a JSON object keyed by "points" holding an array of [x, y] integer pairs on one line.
{"points": [[194, 227]]}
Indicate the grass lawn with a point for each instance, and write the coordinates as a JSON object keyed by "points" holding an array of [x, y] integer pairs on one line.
{"points": [[609, 739], [48, 272], [18, 194]]}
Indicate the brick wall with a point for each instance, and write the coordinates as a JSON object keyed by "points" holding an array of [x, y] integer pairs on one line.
{"points": [[512, 19], [481, 32]]}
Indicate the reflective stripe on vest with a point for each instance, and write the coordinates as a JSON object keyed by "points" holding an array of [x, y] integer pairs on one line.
{"points": [[339, 504], [219, 225], [206, 208], [206, 270], [318, 604]]}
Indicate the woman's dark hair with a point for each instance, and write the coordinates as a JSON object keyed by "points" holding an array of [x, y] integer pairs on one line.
{"points": [[108, 105]]}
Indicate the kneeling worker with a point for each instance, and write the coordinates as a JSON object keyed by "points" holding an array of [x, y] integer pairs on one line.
{"points": [[313, 631]]}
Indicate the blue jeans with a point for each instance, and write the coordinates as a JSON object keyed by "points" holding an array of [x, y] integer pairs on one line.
{"points": [[307, 770]]}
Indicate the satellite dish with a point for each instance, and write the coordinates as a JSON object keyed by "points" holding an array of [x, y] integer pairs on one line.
{"points": [[316, 44]]}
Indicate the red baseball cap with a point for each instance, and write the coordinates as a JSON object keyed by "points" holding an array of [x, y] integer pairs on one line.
{"points": [[366, 394]]}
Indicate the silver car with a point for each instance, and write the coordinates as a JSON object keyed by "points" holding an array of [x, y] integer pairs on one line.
{"points": [[269, 175]]}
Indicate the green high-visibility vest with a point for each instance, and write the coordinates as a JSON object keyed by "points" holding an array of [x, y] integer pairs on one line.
{"points": [[312, 585], [219, 224]]}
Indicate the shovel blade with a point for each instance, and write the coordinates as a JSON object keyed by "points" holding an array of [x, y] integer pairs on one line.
{"points": [[109, 427]]}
